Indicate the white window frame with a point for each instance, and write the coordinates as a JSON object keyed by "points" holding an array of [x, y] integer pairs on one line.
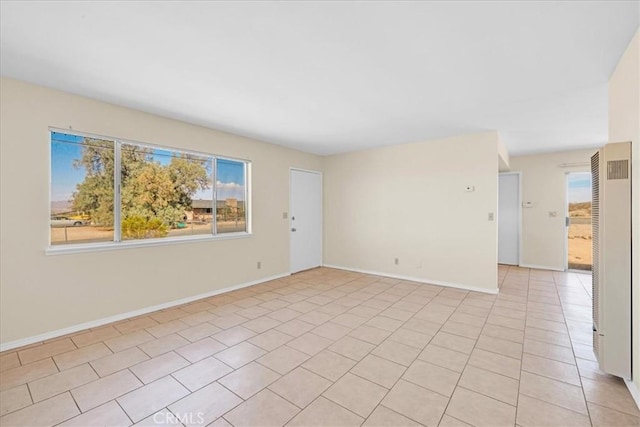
{"points": [[117, 242]]}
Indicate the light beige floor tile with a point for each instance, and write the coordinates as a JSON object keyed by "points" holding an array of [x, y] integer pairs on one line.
{"points": [[611, 394], [44, 351], [253, 312], [133, 325], [264, 409], [109, 414], [552, 391], [315, 317], [534, 413], [261, 324], [158, 367], [199, 318], [295, 327], [490, 384], [332, 331], [200, 349], [166, 316], [453, 342], [48, 412], [240, 354], [234, 335], [398, 314], [149, 399], [500, 346], [14, 399], [356, 394], [83, 355], [248, 380], [167, 328], [163, 345], [95, 336], [551, 368], [202, 373], [129, 340], [422, 326], [116, 362], [416, 403], [300, 386], [309, 343], [547, 325], [52, 385], [283, 359], [352, 348], [385, 417], [480, 410], [9, 361], [385, 323], [370, 334], [101, 391], [270, 340], [284, 314], [323, 412], [396, 352], [495, 363], [461, 329], [504, 333], [605, 417], [550, 351], [444, 357], [507, 322], [329, 365], [349, 320], [378, 370], [449, 421], [207, 404], [548, 337], [433, 377], [23, 374], [411, 338]]}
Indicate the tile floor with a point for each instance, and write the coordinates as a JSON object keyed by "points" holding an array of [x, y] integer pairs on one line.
{"points": [[330, 347]]}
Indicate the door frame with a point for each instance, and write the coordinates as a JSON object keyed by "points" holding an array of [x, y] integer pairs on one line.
{"points": [[519, 175], [289, 225]]}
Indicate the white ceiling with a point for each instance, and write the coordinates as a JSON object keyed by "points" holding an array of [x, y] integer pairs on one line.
{"points": [[336, 76]]}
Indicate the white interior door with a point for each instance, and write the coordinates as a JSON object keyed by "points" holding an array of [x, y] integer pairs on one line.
{"points": [[509, 218], [305, 220]]}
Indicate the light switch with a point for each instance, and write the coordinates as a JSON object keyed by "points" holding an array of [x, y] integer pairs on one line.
{"points": [[553, 214], [490, 216]]}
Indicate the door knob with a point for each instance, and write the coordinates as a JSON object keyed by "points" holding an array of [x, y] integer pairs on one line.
{"points": [[293, 229]]}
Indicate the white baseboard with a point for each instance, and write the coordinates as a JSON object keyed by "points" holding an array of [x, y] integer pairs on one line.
{"points": [[635, 393], [417, 279], [541, 267], [116, 318]]}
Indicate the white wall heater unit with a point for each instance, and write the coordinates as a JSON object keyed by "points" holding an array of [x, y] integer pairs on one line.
{"points": [[611, 219]]}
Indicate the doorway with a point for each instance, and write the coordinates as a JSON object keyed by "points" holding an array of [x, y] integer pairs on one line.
{"points": [[305, 209], [509, 218], [578, 221]]}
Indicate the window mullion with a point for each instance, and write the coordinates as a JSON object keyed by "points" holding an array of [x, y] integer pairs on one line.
{"points": [[117, 199], [214, 188]]}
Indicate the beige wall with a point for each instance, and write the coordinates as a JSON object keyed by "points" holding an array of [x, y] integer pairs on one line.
{"points": [[624, 125], [409, 201], [544, 184], [40, 293]]}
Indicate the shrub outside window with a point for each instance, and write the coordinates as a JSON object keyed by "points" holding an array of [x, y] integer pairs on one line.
{"points": [[162, 193]]}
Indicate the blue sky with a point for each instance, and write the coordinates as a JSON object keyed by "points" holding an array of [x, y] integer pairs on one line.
{"points": [[579, 187], [64, 176]]}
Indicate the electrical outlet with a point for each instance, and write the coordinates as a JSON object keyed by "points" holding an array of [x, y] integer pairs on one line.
{"points": [[285, 215], [396, 261], [259, 265]]}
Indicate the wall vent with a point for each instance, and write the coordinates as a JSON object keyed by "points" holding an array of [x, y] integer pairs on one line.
{"points": [[618, 169]]}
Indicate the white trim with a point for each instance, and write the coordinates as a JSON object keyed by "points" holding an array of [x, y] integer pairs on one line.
{"points": [[635, 393], [541, 267], [417, 279], [115, 318], [128, 244]]}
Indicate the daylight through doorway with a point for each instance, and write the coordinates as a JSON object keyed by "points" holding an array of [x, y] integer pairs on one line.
{"points": [[579, 221]]}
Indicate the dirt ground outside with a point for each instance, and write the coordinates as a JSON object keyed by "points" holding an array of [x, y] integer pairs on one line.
{"points": [[580, 238], [91, 234]]}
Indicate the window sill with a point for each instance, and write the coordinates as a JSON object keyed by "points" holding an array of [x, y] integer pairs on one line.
{"points": [[110, 246]]}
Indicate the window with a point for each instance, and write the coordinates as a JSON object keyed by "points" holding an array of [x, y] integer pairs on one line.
{"points": [[163, 193]]}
